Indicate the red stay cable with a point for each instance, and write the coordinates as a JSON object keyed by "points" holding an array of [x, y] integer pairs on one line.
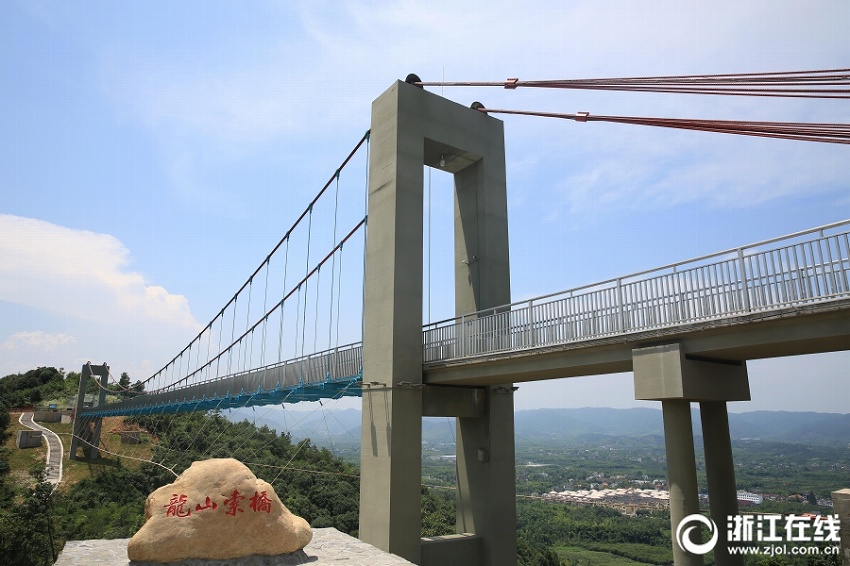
{"points": [[831, 83], [819, 132]]}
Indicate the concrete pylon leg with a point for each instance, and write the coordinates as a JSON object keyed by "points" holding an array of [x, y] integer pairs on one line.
{"points": [[391, 470], [77, 427], [98, 423], [841, 502], [720, 473], [81, 437], [681, 472], [486, 483]]}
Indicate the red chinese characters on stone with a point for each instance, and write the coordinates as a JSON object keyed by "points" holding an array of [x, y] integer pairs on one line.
{"points": [[175, 506], [232, 504], [260, 502], [208, 504]]}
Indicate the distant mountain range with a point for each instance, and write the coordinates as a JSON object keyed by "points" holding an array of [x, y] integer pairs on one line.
{"points": [[331, 427]]}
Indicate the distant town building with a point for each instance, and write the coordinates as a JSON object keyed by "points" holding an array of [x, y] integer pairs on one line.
{"points": [[628, 501], [747, 499]]}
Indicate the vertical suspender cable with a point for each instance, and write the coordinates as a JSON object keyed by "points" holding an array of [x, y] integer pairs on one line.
{"points": [[218, 358], [338, 296], [266, 319], [316, 313], [298, 320], [232, 336], [249, 341], [333, 263], [209, 345], [282, 306], [306, 279]]}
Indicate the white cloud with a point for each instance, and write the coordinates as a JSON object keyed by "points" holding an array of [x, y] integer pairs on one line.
{"points": [[25, 350], [37, 340], [80, 274], [317, 78], [80, 281]]}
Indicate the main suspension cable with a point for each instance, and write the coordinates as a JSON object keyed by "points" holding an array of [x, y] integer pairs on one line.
{"points": [[285, 238], [235, 341]]}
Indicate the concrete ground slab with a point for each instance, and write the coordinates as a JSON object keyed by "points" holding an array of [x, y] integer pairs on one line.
{"points": [[329, 546]]}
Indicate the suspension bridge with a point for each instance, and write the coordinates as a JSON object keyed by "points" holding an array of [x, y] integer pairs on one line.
{"points": [[798, 275], [337, 311]]}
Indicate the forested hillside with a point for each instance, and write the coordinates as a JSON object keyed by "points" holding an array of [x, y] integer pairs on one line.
{"points": [[106, 499], [46, 385], [37, 385], [109, 503], [34, 523]]}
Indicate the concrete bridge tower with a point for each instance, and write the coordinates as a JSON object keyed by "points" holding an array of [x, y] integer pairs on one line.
{"points": [[412, 128]]}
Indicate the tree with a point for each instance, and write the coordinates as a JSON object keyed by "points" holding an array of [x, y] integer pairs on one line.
{"points": [[72, 384], [124, 385], [26, 530]]}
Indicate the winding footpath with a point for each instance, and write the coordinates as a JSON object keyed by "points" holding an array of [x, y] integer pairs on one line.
{"points": [[53, 471]]}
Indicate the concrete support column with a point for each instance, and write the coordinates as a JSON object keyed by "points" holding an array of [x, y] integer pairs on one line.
{"points": [[391, 470], [665, 373], [486, 483], [94, 450], [391, 436], [681, 473], [720, 473], [841, 504]]}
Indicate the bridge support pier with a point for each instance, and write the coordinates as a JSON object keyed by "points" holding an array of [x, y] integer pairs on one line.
{"points": [[412, 128], [486, 478], [681, 472], [82, 437], [665, 373], [720, 475], [841, 501]]}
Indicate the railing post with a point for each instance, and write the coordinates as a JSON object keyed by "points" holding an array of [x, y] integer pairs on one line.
{"points": [[621, 305], [745, 291], [532, 339], [462, 336]]}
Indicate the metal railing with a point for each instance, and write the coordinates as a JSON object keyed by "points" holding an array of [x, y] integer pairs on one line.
{"points": [[339, 362], [798, 269], [257, 386]]}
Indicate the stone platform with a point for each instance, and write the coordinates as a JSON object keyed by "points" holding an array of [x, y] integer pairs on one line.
{"points": [[329, 546]]}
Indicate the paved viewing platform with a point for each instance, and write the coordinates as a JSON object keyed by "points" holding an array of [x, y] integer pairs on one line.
{"points": [[329, 546]]}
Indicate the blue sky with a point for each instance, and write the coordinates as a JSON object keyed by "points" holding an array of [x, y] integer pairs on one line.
{"points": [[153, 153]]}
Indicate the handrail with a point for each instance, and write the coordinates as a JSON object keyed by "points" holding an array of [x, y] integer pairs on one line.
{"points": [[746, 279], [646, 271], [281, 364]]}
